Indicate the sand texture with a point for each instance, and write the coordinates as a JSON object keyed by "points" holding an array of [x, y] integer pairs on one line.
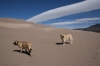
{"points": [[47, 47]]}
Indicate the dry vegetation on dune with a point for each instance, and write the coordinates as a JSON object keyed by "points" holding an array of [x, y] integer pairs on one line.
{"points": [[47, 47]]}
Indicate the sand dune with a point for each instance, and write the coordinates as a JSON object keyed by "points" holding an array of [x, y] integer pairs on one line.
{"points": [[10, 25], [48, 50], [14, 23]]}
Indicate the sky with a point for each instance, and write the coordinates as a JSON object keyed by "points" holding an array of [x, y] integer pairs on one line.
{"points": [[58, 13]]}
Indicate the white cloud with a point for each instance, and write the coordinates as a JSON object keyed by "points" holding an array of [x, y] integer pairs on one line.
{"points": [[77, 21], [84, 6]]}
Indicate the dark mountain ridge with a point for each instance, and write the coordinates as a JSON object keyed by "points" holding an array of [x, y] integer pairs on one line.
{"points": [[93, 28]]}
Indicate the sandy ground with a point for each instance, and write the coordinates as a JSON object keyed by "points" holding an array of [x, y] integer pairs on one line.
{"points": [[48, 50]]}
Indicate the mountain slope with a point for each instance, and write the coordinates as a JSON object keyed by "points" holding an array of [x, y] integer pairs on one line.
{"points": [[93, 28]]}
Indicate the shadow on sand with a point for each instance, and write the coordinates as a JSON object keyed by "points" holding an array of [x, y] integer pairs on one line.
{"points": [[62, 43], [24, 52]]}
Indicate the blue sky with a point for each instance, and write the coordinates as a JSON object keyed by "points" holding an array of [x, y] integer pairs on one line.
{"points": [[45, 12]]}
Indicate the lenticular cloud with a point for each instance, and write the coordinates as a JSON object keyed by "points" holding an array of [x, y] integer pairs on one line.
{"points": [[77, 21], [84, 6]]}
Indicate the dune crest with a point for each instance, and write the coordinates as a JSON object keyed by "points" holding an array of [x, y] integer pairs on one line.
{"points": [[11, 25]]}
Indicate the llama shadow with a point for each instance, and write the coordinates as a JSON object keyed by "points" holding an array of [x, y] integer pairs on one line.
{"points": [[24, 52], [62, 43]]}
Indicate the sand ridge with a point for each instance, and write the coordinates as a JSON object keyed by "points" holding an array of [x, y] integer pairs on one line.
{"points": [[12, 25]]}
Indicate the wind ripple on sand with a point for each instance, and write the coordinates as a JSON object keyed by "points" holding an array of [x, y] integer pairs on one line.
{"points": [[13, 25]]}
